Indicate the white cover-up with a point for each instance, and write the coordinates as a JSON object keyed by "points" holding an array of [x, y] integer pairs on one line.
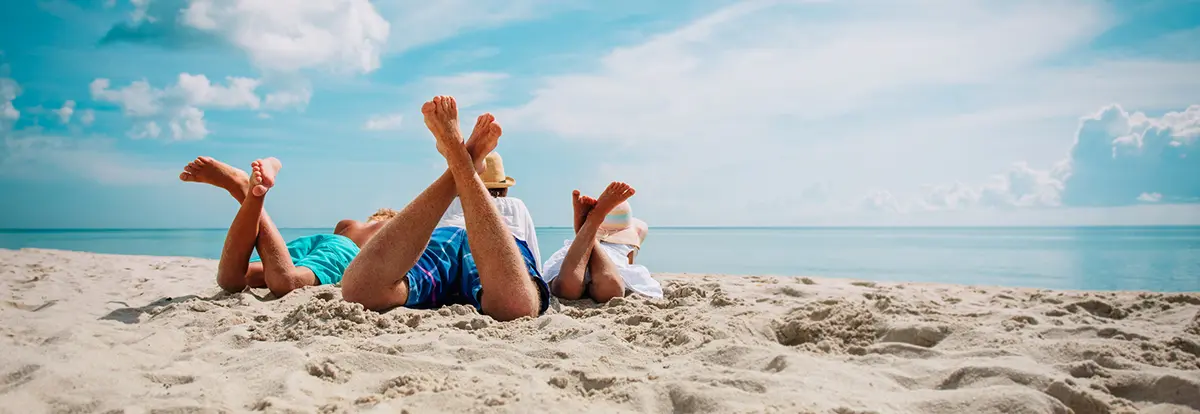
{"points": [[637, 277], [515, 216]]}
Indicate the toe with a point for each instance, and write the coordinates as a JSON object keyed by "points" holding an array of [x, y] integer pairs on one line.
{"points": [[259, 190], [428, 107], [185, 176]]}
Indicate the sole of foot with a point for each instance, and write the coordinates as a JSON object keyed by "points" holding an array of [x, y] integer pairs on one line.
{"points": [[615, 194], [262, 176], [441, 117], [484, 139], [210, 171]]}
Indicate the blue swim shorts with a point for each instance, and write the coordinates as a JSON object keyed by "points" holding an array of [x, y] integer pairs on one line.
{"points": [[445, 274], [327, 255]]}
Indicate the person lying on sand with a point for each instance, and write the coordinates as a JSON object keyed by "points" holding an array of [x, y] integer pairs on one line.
{"points": [[512, 210], [312, 260], [412, 262], [598, 263]]}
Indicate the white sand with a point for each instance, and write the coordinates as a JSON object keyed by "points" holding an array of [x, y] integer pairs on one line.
{"points": [[99, 333]]}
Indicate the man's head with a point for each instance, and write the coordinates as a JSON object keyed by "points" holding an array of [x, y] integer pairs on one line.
{"points": [[382, 214], [493, 176]]}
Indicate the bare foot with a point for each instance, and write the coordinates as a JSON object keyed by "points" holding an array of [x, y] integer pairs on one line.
{"points": [[483, 140], [262, 175], [441, 116], [582, 205], [210, 171], [615, 194]]}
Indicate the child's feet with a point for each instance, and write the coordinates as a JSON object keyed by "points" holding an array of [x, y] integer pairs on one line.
{"points": [[210, 171], [615, 194], [262, 176], [582, 206]]}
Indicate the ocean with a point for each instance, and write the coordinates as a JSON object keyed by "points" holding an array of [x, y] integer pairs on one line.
{"points": [[1102, 258]]}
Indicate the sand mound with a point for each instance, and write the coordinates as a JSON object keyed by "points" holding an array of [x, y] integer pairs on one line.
{"points": [[96, 333]]}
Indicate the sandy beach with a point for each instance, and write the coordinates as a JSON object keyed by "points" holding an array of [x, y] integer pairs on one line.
{"points": [[103, 333]]}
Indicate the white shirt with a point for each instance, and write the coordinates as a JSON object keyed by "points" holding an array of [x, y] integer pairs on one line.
{"points": [[515, 216]]}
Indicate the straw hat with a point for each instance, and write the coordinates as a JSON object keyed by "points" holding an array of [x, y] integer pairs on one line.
{"points": [[620, 227], [493, 172]]}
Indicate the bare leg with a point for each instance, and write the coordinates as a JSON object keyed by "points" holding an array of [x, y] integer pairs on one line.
{"points": [[584, 252], [376, 277], [508, 291], [210, 171], [569, 284]]}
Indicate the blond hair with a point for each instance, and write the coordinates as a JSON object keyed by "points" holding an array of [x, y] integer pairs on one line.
{"points": [[383, 214]]}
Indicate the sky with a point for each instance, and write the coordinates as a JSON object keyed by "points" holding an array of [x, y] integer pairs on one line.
{"points": [[719, 113]]}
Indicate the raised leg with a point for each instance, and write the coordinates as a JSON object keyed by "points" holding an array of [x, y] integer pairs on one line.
{"points": [[376, 278], [279, 273], [584, 252], [207, 170], [508, 290]]}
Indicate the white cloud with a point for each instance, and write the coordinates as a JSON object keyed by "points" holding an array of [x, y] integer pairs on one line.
{"points": [[384, 122], [188, 124], [297, 98], [416, 23], [197, 90], [33, 155], [796, 62], [881, 200], [139, 11], [1150, 197], [138, 99], [289, 35], [145, 130], [1118, 158], [9, 90], [87, 116], [180, 106], [65, 112], [1119, 155]]}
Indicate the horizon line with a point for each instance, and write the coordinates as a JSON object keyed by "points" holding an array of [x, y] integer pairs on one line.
{"points": [[693, 227]]}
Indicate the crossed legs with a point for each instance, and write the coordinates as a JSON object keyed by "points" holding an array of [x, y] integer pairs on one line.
{"points": [[585, 254], [377, 276], [251, 228]]}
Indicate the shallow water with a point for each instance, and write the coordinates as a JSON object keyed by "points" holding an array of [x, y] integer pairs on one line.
{"points": [[1108, 258]]}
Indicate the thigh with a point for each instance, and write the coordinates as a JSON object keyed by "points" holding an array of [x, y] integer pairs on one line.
{"points": [[470, 290], [297, 248]]}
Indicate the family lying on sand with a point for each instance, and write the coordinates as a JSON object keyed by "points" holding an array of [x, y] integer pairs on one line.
{"points": [[457, 237]]}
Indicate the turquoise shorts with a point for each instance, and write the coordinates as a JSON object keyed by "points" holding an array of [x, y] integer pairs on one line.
{"points": [[326, 255]]}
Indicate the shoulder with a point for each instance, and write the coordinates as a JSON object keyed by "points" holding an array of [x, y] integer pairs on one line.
{"points": [[344, 225], [511, 203]]}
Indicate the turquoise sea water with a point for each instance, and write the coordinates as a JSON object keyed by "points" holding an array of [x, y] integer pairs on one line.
{"points": [[1106, 258]]}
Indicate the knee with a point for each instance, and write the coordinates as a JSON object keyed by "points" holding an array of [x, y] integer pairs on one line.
{"points": [[230, 285], [512, 310], [282, 283], [352, 294], [374, 297], [562, 290], [605, 290]]}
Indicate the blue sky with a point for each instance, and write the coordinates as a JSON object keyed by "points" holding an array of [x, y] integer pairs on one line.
{"points": [[719, 113]]}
